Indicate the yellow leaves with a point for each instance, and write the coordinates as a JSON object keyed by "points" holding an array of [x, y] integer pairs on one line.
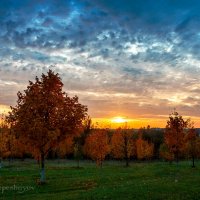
{"points": [[10, 145], [144, 149], [97, 146], [117, 144], [122, 144]]}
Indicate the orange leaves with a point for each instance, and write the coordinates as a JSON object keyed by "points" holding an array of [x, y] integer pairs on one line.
{"points": [[174, 134], [165, 153], [3, 141], [192, 143], [10, 145], [66, 147], [45, 115], [144, 149], [122, 144], [96, 146], [117, 144]]}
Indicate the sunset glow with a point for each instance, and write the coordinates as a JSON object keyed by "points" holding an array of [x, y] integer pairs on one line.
{"points": [[4, 109], [119, 120], [142, 73]]}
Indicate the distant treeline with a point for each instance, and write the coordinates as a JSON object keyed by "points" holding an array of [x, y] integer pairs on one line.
{"points": [[99, 144]]}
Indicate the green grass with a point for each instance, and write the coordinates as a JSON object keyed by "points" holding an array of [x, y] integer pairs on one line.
{"points": [[154, 180]]}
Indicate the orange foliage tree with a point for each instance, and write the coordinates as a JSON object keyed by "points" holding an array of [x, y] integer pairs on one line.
{"points": [[10, 145], [97, 146], [3, 139], [79, 140], [122, 145], [165, 153], [45, 115], [175, 133], [144, 148], [73, 144], [192, 146], [65, 147]]}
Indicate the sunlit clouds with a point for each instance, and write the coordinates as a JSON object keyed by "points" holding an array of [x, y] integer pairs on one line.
{"points": [[120, 58]]}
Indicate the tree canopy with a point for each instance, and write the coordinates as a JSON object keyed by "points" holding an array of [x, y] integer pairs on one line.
{"points": [[45, 115], [175, 132]]}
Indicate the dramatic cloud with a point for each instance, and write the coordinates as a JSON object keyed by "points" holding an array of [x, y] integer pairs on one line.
{"points": [[124, 57]]}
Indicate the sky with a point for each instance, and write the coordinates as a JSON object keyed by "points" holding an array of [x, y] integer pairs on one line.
{"points": [[138, 59]]}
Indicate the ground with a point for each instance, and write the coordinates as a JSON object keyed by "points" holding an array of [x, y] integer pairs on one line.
{"points": [[144, 180]]}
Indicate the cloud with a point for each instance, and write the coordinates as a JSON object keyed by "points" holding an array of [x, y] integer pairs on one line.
{"points": [[118, 55]]}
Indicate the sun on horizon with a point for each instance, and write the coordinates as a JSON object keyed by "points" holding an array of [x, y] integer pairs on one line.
{"points": [[119, 120]]}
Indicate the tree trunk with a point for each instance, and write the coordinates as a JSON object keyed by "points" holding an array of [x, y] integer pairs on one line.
{"points": [[193, 161], [127, 162], [126, 157], [177, 157], [42, 177], [78, 163], [9, 160], [126, 151], [38, 161], [101, 163], [1, 165]]}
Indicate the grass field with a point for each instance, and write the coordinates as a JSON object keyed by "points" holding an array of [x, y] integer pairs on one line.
{"points": [[154, 180]]}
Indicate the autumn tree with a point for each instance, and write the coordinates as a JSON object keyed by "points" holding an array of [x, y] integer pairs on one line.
{"points": [[10, 145], [192, 145], [97, 146], [3, 139], [45, 115], [174, 134], [122, 145], [65, 147], [155, 136], [165, 153], [144, 149], [73, 144], [79, 139]]}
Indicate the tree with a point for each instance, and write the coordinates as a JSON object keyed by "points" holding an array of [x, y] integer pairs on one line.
{"points": [[10, 145], [45, 115], [144, 149], [192, 144], [165, 153], [122, 145], [3, 139], [79, 140], [97, 146], [155, 136], [174, 134], [65, 147]]}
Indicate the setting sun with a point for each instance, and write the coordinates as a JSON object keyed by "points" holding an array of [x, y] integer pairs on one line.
{"points": [[119, 120]]}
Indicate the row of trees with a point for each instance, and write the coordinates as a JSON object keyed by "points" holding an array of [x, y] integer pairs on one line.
{"points": [[96, 144], [46, 121], [178, 141], [120, 145], [173, 143]]}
